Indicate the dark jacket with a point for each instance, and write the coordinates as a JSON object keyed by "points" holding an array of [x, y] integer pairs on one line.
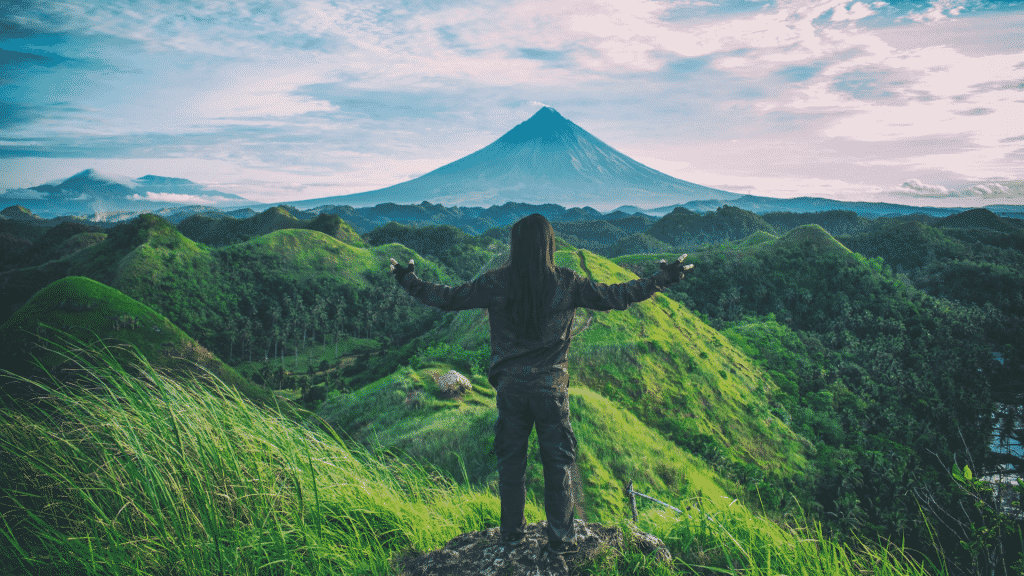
{"points": [[529, 364]]}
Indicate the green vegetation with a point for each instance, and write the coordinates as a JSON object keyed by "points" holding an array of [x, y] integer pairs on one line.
{"points": [[892, 386], [55, 243], [407, 414], [225, 231], [158, 475], [679, 377], [834, 377], [461, 254], [681, 227], [270, 297], [82, 310], [155, 474]]}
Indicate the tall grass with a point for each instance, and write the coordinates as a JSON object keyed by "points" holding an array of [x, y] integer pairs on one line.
{"points": [[723, 537], [121, 469], [127, 470]]}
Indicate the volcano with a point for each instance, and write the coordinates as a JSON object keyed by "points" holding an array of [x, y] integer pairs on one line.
{"points": [[547, 158]]}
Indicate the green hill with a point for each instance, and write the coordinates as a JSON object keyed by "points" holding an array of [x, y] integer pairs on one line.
{"points": [[272, 295], [178, 475], [887, 382], [676, 374], [639, 243], [224, 231], [91, 312], [405, 413], [980, 218], [463, 254], [836, 222], [682, 227]]}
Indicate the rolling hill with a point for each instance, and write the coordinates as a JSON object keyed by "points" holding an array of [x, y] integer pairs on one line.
{"points": [[671, 370], [272, 293], [77, 312]]}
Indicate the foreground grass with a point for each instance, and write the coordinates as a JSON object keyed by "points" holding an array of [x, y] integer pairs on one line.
{"points": [[127, 471], [146, 474]]}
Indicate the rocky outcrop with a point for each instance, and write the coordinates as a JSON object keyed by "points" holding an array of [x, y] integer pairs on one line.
{"points": [[482, 553]]}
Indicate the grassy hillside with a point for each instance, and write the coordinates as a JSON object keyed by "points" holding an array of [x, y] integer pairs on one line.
{"points": [[461, 253], [405, 413], [681, 227], [224, 231], [92, 313], [186, 477], [676, 374], [272, 295], [892, 386]]}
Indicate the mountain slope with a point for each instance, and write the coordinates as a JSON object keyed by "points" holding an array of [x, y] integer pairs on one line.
{"points": [[681, 227], [272, 293], [889, 383], [676, 374], [93, 312], [406, 413], [542, 158], [221, 231]]}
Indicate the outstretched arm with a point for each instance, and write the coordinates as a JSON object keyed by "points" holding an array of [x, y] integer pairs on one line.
{"points": [[598, 296], [470, 295]]}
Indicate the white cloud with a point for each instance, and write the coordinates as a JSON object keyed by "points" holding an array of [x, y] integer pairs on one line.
{"points": [[23, 194], [856, 11], [183, 198], [937, 11], [915, 185], [252, 92]]}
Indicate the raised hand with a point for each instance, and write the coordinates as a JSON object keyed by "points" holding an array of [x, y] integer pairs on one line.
{"points": [[675, 269], [400, 271]]}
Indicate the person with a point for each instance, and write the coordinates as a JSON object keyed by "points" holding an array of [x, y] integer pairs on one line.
{"points": [[531, 304]]}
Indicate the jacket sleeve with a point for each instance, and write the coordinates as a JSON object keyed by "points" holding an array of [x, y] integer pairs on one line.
{"points": [[598, 296], [475, 294]]}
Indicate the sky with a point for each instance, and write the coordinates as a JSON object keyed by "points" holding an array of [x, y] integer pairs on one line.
{"points": [[276, 100]]}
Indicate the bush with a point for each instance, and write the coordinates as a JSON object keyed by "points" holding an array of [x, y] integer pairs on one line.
{"points": [[470, 361]]}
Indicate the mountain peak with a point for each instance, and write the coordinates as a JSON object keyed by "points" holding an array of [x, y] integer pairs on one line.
{"points": [[18, 212], [545, 124], [91, 175]]}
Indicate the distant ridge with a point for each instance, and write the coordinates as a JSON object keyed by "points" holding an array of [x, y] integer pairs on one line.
{"points": [[546, 158], [110, 197]]}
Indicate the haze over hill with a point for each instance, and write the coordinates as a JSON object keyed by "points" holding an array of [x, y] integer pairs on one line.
{"points": [[546, 158]]}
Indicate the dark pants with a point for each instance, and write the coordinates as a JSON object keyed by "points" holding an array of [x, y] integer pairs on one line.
{"points": [[517, 414]]}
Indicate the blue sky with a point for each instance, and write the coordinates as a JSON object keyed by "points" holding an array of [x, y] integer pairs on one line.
{"points": [[277, 100]]}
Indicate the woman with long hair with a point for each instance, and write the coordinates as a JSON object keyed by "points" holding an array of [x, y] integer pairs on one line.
{"points": [[531, 304]]}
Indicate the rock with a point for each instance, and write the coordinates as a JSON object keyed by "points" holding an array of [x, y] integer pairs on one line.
{"points": [[482, 553], [452, 384], [651, 545]]}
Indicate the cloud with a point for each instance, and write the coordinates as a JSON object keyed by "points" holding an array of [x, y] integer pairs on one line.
{"points": [[990, 190], [23, 194], [915, 186], [856, 11], [183, 198]]}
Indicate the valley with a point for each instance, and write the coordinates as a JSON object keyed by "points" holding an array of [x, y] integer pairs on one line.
{"points": [[825, 370]]}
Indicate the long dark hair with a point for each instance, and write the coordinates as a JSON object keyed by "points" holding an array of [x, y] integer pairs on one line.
{"points": [[531, 274]]}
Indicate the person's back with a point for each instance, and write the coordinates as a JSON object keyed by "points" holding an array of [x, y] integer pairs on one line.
{"points": [[531, 305]]}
